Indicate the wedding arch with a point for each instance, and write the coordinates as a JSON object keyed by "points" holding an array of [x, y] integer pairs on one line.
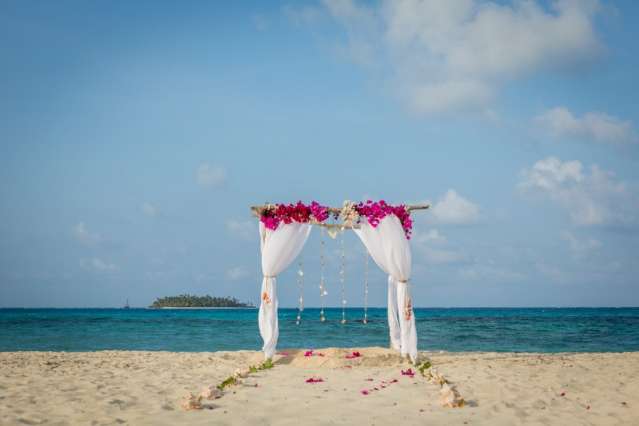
{"points": [[384, 230]]}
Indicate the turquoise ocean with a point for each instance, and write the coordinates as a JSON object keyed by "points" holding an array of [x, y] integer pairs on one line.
{"points": [[454, 329]]}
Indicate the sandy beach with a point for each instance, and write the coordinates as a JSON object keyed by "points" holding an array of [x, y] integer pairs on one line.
{"points": [[137, 388]]}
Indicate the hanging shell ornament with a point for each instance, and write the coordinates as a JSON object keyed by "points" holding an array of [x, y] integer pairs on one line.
{"points": [[332, 232]]}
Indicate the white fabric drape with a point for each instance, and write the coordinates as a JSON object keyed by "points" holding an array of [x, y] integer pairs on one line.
{"points": [[279, 248], [389, 248]]}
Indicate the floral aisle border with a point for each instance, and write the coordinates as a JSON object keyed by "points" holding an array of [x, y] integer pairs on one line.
{"points": [[351, 214]]}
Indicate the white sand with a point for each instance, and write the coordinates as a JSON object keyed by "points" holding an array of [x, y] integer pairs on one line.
{"points": [[139, 388]]}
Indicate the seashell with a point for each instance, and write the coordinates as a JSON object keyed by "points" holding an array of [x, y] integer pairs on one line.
{"points": [[449, 397], [192, 402], [211, 392], [332, 232]]}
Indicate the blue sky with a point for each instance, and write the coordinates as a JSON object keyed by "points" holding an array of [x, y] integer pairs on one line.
{"points": [[134, 136]]}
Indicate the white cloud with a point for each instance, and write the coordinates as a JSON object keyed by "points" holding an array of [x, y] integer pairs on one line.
{"points": [[594, 198], [452, 55], [552, 272], [435, 256], [82, 234], [580, 247], [244, 229], [441, 256], [98, 265], [149, 209], [260, 22], [432, 236], [236, 273], [208, 175], [303, 15], [596, 126], [489, 273], [452, 208]]}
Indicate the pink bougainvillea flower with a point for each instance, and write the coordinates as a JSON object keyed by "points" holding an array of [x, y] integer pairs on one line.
{"points": [[314, 380], [375, 388], [408, 372], [289, 213], [394, 381], [353, 355], [308, 353], [364, 392], [369, 380], [319, 212], [374, 212]]}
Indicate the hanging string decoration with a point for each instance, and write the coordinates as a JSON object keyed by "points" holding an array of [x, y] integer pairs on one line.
{"points": [[322, 285], [300, 286], [365, 320], [342, 273]]}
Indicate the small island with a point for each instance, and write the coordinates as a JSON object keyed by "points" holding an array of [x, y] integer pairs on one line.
{"points": [[191, 301]]}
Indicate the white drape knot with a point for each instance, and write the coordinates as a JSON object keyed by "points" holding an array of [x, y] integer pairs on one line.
{"points": [[266, 294]]}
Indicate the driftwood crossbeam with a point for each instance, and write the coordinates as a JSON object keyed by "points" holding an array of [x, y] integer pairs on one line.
{"points": [[258, 210]]}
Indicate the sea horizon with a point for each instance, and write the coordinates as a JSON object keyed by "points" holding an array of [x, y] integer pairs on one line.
{"points": [[450, 329], [330, 307]]}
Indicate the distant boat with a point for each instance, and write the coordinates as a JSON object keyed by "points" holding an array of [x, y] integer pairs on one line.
{"points": [[127, 305]]}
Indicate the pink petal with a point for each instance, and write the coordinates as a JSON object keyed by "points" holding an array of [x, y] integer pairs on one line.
{"points": [[364, 392], [408, 372]]}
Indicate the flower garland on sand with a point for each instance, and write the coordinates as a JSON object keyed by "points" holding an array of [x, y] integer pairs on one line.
{"points": [[193, 402], [274, 214]]}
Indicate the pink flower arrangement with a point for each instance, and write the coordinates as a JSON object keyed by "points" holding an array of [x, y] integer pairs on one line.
{"points": [[353, 355], [311, 353], [288, 213], [314, 380], [376, 211]]}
